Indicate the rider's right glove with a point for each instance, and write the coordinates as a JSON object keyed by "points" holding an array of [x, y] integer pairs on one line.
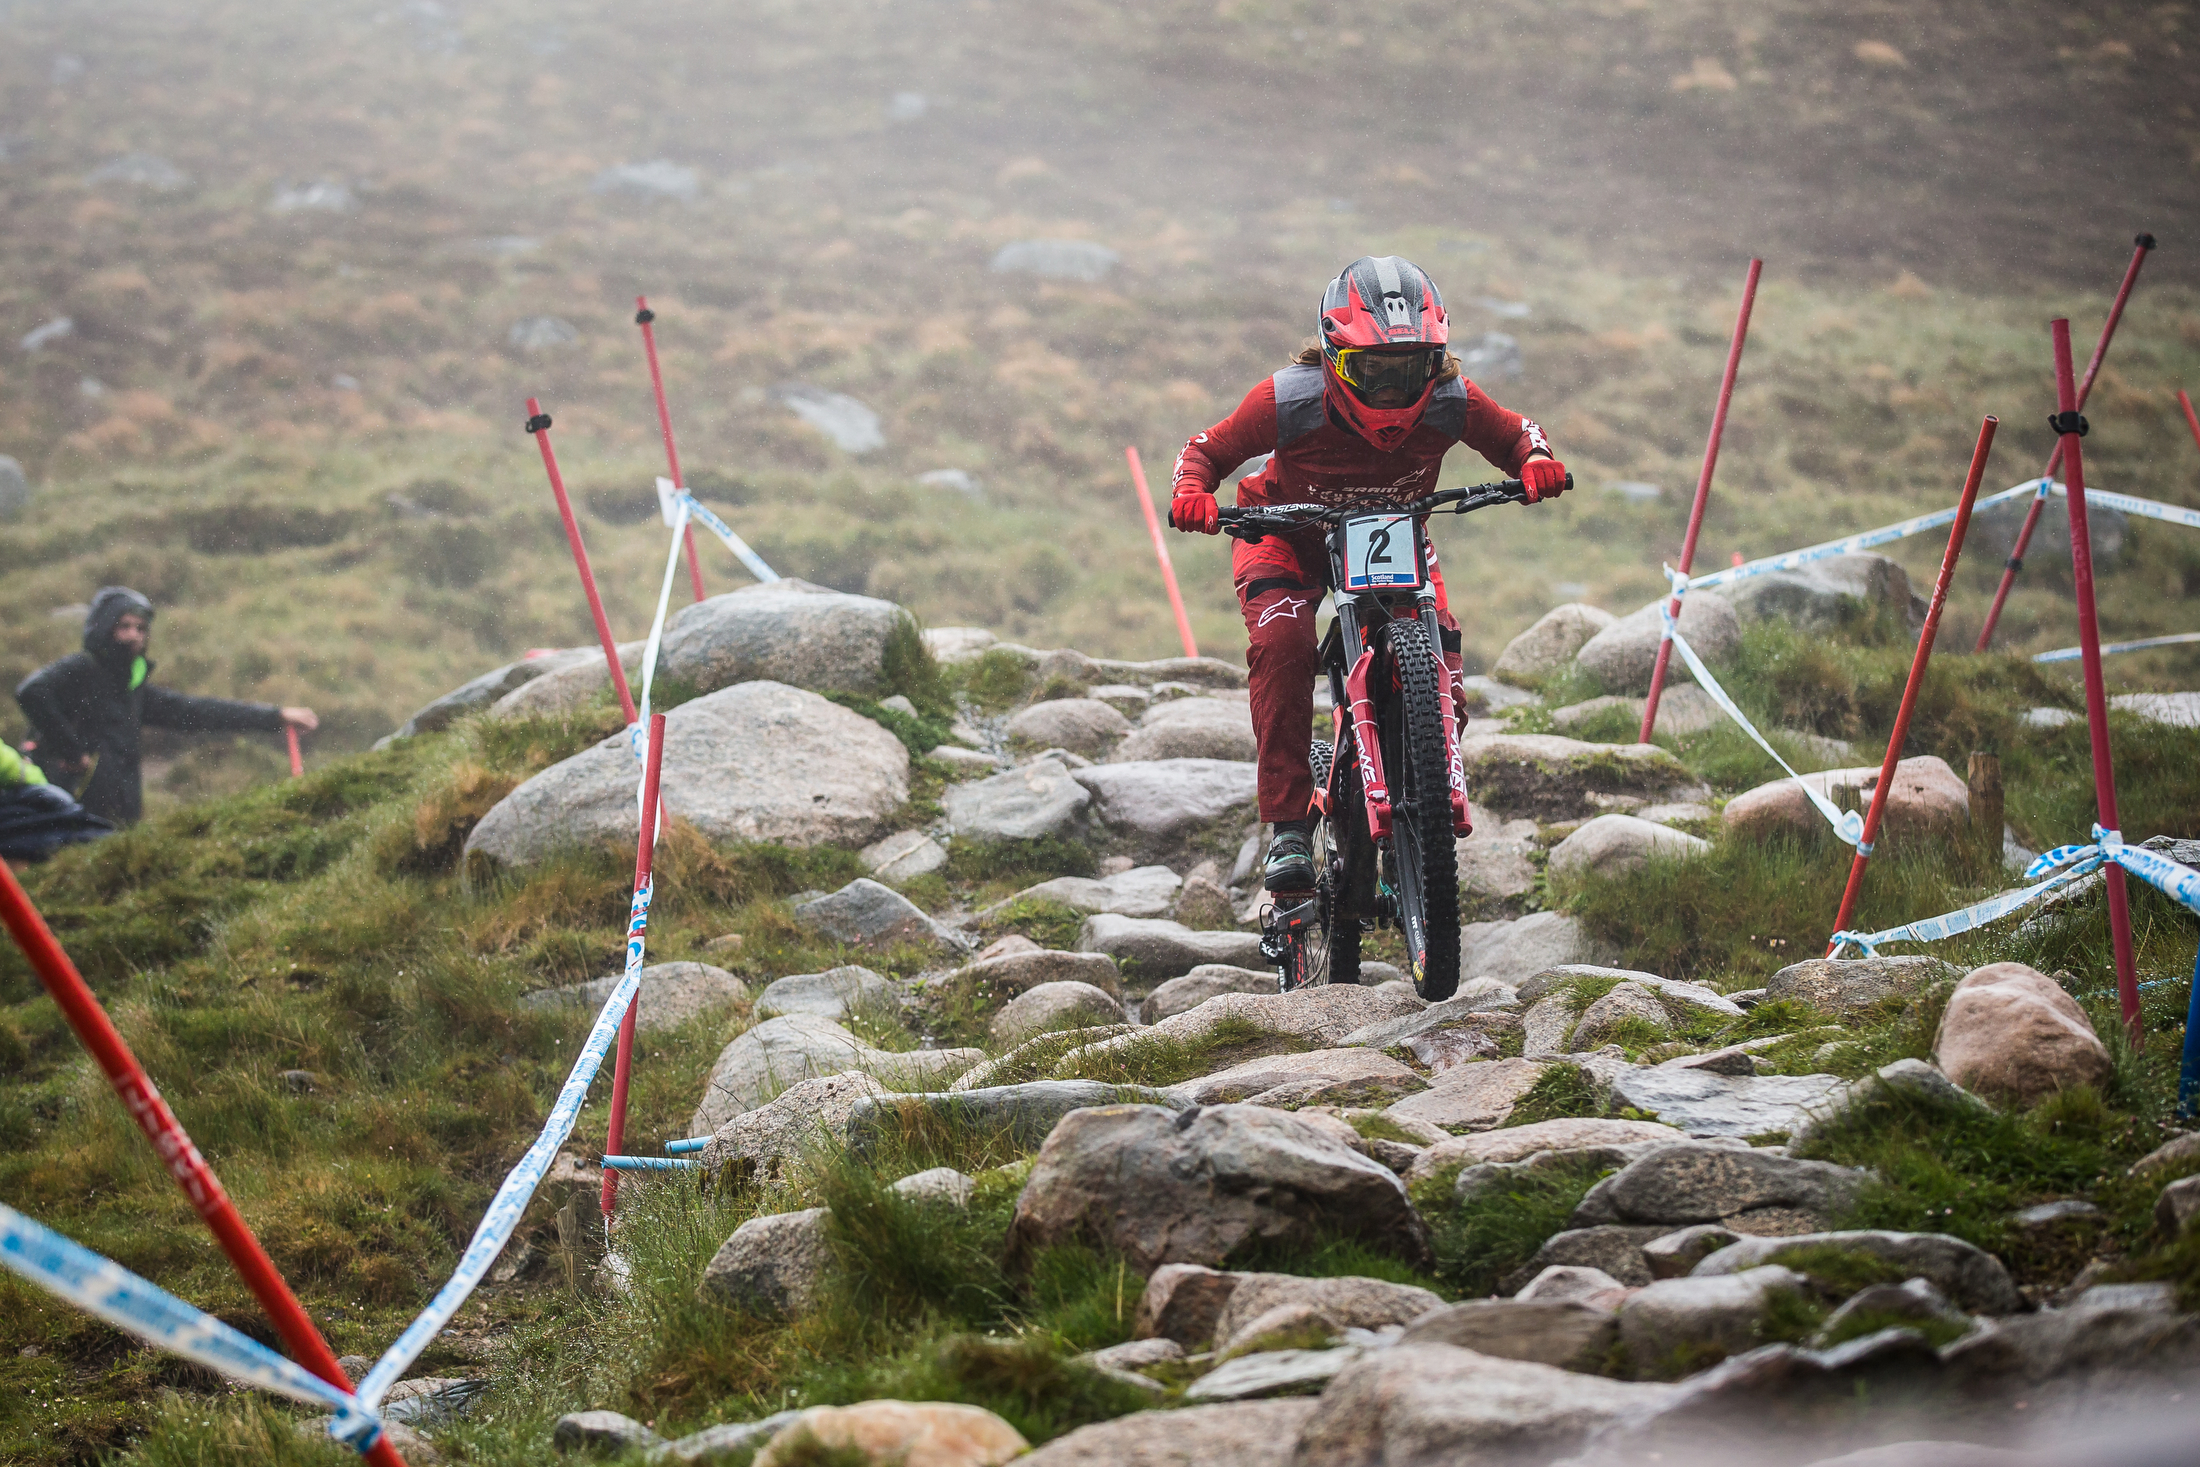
{"points": [[1195, 512], [1543, 478]]}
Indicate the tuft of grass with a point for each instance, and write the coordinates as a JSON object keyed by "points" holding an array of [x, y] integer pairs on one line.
{"points": [[1022, 862], [1479, 1242], [1052, 925], [920, 734], [1561, 1090], [1937, 1332], [1166, 1059], [993, 680], [907, 667]]}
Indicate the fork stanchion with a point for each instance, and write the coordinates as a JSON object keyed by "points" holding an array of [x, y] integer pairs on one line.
{"points": [[2192, 419], [1161, 551], [538, 423], [2071, 427], [643, 317], [644, 851], [2015, 563], [96, 1032], [1910, 689], [1703, 487], [297, 761]]}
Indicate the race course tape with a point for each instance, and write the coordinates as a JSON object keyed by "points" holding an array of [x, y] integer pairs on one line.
{"points": [[102, 1287], [670, 493], [510, 1202], [2072, 654], [2180, 883], [1847, 824], [2036, 488]]}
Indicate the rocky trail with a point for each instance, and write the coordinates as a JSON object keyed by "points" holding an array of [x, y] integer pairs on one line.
{"points": [[1578, 1212]]}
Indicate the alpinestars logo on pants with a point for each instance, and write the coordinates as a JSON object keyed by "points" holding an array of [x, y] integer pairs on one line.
{"points": [[1285, 606]]}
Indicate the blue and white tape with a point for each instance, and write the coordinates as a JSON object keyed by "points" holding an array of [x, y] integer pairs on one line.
{"points": [[668, 492], [637, 736], [1847, 824], [1865, 540], [2146, 509], [2061, 867], [510, 1202], [2072, 654], [102, 1287]]}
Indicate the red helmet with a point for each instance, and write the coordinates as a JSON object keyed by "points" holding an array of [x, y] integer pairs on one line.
{"points": [[1383, 336]]}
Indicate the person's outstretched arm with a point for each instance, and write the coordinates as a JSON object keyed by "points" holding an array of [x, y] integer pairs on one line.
{"points": [[166, 708]]}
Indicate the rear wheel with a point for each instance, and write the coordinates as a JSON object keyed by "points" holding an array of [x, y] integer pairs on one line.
{"points": [[1424, 865]]}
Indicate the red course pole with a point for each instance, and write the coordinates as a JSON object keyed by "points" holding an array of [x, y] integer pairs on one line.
{"points": [[297, 762], [1924, 655], [1703, 488], [1161, 551], [2072, 429], [623, 1065], [2192, 419], [643, 315], [2015, 562], [538, 423], [97, 1034]]}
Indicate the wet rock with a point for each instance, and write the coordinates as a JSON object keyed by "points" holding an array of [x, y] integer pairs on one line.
{"points": [[601, 1431], [789, 631], [1081, 725], [1685, 1319], [572, 685], [1568, 1282], [1160, 808], [1974, 1279], [2101, 1343], [1496, 862], [1156, 948], [1611, 845], [1695, 1183], [1050, 1007], [1474, 1097], [1915, 1299], [1518, 1143], [1271, 1373], [904, 856], [1929, 801], [1677, 1253], [1340, 1303], [1164, 1188], [1513, 952], [1021, 1115], [2178, 1208], [1018, 972], [1706, 1104], [1905, 1077], [810, 1116], [772, 1265], [490, 687], [669, 996], [1317, 1077], [1236, 1434], [1479, 1001], [2171, 1152], [1182, 995], [781, 1052], [1551, 642], [1183, 1302], [833, 994], [1142, 891], [1568, 1333], [940, 1184], [1192, 728], [1033, 802], [1671, 991], [1627, 1005], [1439, 1403], [726, 1438], [1622, 655], [1844, 985], [2011, 1032], [1551, 778], [1823, 595], [849, 422], [904, 1433], [834, 777], [865, 913], [1614, 1248]]}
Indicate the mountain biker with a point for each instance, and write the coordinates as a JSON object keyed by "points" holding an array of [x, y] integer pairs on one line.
{"points": [[1364, 414]]}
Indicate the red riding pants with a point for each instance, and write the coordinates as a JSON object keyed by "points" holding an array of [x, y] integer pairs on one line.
{"points": [[1280, 583]]}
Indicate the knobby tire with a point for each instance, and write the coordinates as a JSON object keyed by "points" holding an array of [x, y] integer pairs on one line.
{"points": [[1425, 863]]}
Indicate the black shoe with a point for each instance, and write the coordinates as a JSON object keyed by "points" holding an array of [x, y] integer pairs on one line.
{"points": [[1290, 862]]}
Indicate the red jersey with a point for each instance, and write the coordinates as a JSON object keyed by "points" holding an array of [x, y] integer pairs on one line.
{"points": [[1318, 461]]}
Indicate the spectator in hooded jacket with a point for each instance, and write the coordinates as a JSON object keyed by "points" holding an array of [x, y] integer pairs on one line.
{"points": [[87, 710], [35, 818]]}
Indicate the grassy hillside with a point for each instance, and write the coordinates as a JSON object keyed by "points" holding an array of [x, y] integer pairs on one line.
{"points": [[245, 389]]}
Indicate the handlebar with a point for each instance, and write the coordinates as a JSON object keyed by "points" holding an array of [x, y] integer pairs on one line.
{"points": [[1252, 523]]}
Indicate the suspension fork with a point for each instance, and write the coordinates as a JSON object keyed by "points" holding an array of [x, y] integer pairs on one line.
{"points": [[1367, 744], [1455, 772]]}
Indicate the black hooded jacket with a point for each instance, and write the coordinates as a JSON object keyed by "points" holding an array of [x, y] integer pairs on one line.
{"points": [[86, 704]]}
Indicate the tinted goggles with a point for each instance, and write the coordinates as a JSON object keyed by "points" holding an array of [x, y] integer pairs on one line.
{"points": [[1375, 370]]}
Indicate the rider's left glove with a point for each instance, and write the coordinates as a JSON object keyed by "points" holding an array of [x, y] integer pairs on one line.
{"points": [[1195, 512], [1543, 478]]}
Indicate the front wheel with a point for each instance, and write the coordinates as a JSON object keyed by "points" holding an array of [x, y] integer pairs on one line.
{"points": [[1424, 864]]}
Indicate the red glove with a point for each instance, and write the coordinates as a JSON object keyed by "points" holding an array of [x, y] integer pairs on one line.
{"points": [[1195, 513], [1543, 478]]}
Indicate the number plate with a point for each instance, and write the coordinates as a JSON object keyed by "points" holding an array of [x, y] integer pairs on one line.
{"points": [[1378, 553]]}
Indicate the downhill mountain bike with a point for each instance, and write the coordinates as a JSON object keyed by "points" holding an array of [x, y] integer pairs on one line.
{"points": [[1390, 796]]}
